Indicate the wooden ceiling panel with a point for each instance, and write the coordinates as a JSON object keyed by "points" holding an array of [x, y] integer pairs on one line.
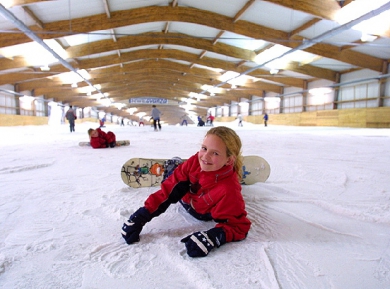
{"points": [[133, 69]]}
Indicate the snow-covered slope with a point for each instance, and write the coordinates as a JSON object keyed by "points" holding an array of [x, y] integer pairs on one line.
{"points": [[322, 220]]}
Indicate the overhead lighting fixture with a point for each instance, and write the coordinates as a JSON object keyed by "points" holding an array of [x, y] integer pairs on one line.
{"points": [[211, 88], [197, 96], [74, 85], [119, 105], [320, 90], [45, 68], [272, 99], [105, 101], [27, 98], [131, 110], [228, 75], [368, 37], [274, 71], [31, 34]]}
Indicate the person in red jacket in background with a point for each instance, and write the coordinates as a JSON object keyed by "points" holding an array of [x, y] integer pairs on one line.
{"points": [[208, 187], [99, 139]]}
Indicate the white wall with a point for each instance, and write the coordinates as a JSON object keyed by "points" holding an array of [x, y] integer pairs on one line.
{"points": [[256, 106], [233, 108], [244, 106], [293, 101], [7, 101], [356, 91]]}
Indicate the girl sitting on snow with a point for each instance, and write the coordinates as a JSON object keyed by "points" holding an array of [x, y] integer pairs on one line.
{"points": [[100, 139], [208, 187]]}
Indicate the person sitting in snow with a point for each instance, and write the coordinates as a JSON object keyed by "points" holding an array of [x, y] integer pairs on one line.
{"points": [[208, 186], [99, 139]]}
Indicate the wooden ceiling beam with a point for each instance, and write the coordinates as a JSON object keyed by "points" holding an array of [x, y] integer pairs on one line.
{"points": [[219, 35], [304, 26], [145, 15], [185, 56], [243, 10], [201, 17], [347, 56], [17, 77], [158, 38], [323, 9], [37, 21], [15, 3]]}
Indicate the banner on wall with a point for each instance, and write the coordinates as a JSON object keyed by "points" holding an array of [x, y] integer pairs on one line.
{"points": [[148, 100]]}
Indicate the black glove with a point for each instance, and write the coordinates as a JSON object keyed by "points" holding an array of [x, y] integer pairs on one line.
{"points": [[199, 244], [133, 227], [112, 144]]}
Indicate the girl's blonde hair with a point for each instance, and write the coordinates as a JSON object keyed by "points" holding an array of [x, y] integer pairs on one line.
{"points": [[233, 145]]}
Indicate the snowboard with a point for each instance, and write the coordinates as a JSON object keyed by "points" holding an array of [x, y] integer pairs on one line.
{"points": [[119, 143], [144, 172]]}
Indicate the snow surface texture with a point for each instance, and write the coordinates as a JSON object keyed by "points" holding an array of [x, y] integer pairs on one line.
{"points": [[322, 220]]}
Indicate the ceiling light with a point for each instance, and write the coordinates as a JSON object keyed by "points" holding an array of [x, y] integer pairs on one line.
{"points": [[119, 105], [45, 68], [274, 71], [131, 111], [320, 90], [74, 84], [27, 98], [243, 104], [367, 37], [228, 75], [272, 99]]}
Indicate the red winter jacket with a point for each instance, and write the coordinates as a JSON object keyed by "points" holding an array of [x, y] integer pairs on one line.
{"points": [[217, 193], [103, 140]]}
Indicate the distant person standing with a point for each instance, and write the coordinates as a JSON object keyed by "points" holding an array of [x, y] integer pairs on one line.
{"points": [[102, 121], [209, 120], [200, 121], [265, 119], [211, 117], [71, 117], [239, 117], [141, 121], [156, 117], [184, 118]]}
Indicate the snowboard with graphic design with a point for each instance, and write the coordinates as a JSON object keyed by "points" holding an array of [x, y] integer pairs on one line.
{"points": [[147, 172]]}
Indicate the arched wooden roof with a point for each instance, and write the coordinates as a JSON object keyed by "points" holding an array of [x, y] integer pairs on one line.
{"points": [[169, 49]]}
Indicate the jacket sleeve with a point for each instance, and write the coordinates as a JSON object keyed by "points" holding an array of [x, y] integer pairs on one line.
{"points": [[171, 191], [230, 214], [98, 143]]}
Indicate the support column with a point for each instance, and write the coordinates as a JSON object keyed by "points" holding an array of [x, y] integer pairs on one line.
{"points": [[304, 95], [263, 110], [281, 103], [45, 106], [250, 107], [382, 83], [17, 101], [336, 91]]}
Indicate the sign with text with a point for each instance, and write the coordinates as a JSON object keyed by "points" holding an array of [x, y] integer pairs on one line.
{"points": [[148, 100]]}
